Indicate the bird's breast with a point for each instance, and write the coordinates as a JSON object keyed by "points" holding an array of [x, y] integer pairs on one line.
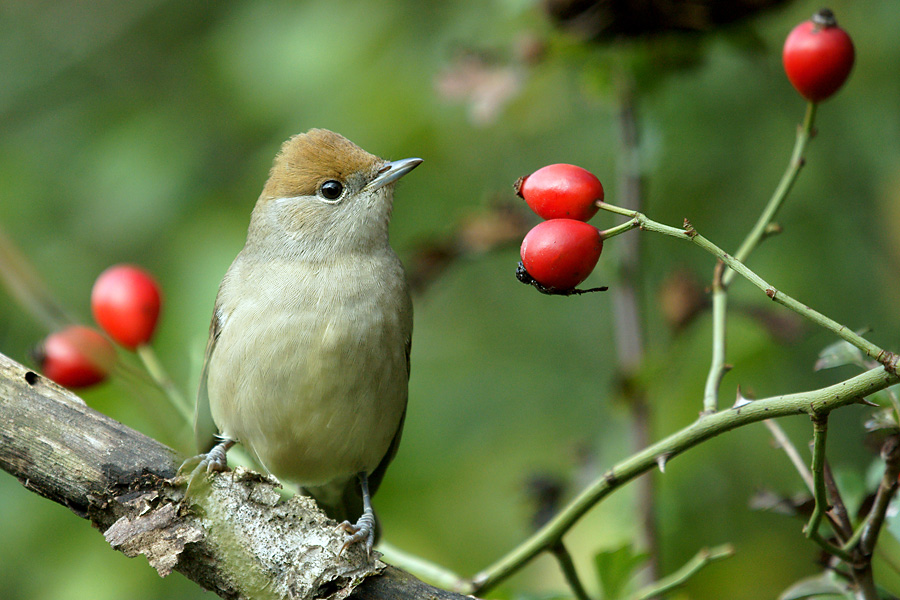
{"points": [[310, 369]]}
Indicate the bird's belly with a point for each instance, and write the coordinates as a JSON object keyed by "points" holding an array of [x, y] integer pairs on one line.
{"points": [[320, 403]]}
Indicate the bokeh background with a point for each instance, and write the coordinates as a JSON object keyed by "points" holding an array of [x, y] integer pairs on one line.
{"points": [[143, 131]]}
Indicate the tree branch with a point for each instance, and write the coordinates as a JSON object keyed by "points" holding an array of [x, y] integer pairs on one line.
{"points": [[243, 541]]}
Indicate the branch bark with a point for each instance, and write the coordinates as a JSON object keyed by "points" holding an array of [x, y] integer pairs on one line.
{"points": [[240, 541]]}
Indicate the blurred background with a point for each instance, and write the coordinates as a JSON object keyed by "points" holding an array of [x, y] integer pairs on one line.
{"points": [[143, 131]]}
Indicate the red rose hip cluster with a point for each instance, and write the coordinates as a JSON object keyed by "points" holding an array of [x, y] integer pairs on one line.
{"points": [[561, 252], [126, 302]]}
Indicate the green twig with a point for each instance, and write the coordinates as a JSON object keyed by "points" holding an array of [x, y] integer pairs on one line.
{"points": [[717, 367], [681, 576], [810, 403], [722, 278], [564, 559], [820, 432], [423, 569], [161, 378], [756, 235], [619, 229], [820, 493], [888, 359]]}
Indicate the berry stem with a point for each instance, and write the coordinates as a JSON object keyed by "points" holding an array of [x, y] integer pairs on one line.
{"points": [[164, 382], [888, 359]]}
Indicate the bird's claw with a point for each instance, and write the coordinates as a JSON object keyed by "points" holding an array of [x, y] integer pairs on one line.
{"points": [[214, 461], [361, 531]]}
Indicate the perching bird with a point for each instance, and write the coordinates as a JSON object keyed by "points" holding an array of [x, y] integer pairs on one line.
{"points": [[307, 363]]}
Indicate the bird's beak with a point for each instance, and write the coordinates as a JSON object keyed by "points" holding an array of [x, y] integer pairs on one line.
{"points": [[391, 172]]}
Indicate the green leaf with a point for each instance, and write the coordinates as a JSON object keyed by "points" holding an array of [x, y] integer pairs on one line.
{"points": [[820, 587], [839, 354], [615, 568]]}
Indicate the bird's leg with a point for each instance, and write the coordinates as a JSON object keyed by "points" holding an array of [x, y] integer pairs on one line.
{"points": [[214, 460], [364, 528]]}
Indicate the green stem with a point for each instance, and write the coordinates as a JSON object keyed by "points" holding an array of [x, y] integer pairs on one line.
{"points": [[804, 133], [717, 368], [568, 568], [680, 577], [423, 569], [820, 493], [161, 378], [721, 280], [888, 359], [815, 402], [618, 229]]}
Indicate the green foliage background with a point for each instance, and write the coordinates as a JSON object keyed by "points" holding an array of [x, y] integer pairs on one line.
{"points": [[143, 131]]}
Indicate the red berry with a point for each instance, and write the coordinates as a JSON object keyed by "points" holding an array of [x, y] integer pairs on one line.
{"points": [[818, 56], [125, 302], [76, 356], [561, 253], [561, 192]]}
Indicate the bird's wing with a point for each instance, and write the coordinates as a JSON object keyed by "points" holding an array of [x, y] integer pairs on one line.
{"points": [[348, 505], [205, 429], [377, 475]]}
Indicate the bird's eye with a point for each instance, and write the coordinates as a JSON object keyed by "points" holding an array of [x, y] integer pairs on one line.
{"points": [[331, 189]]}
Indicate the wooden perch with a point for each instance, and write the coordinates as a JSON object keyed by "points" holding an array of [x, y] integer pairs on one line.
{"points": [[239, 540]]}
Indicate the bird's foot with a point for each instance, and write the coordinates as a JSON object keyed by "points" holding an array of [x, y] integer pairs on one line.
{"points": [[362, 531], [196, 467]]}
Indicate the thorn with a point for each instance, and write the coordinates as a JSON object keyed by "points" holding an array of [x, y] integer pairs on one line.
{"points": [[741, 399], [868, 402], [661, 461]]}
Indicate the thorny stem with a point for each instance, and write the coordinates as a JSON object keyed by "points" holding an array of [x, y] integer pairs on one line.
{"points": [[718, 368], [641, 221], [756, 235], [681, 576], [820, 493], [564, 559], [815, 402], [838, 515], [722, 277], [820, 432]]}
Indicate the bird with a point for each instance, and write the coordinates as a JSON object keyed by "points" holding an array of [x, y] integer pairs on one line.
{"points": [[308, 356]]}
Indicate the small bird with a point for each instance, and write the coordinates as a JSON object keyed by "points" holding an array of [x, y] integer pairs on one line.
{"points": [[307, 362]]}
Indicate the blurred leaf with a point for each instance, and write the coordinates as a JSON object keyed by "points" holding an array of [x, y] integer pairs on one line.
{"points": [[821, 587], [616, 567], [839, 354], [893, 520], [884, 419]]}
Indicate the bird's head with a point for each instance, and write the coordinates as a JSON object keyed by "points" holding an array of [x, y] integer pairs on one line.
{"points": [[325, 195]]}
